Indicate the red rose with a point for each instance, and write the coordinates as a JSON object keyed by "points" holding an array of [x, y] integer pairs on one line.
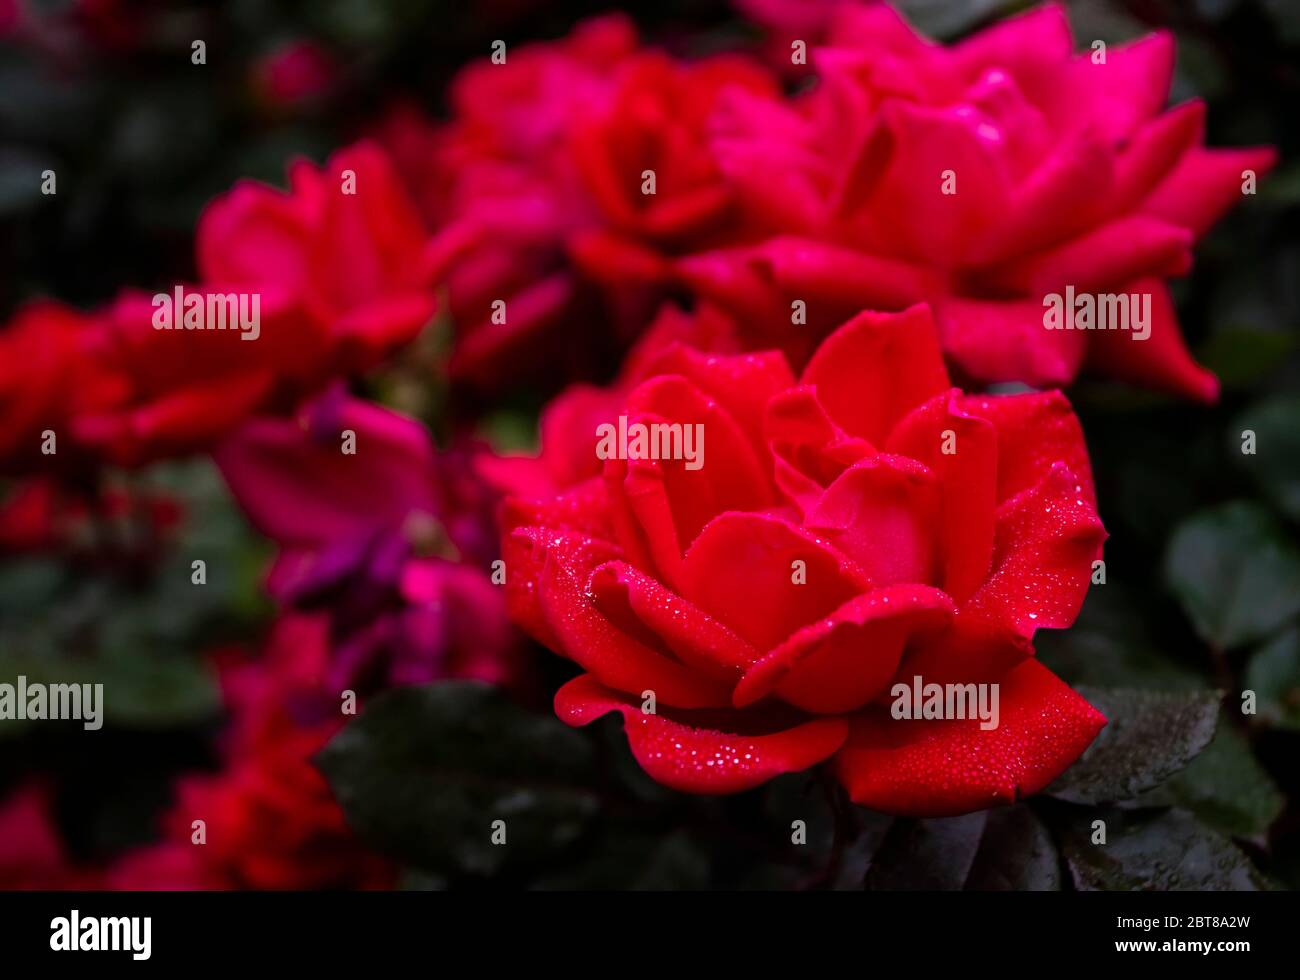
{"points": [[567, 460], [853, 529], [269, 818], [539, 187], [657, 121], [340, 269], [345, 247], [48, 375], [983, 178], [32, 855], [499, 182]]}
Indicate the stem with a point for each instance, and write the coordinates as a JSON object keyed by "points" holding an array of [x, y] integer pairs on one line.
{"points": [[845, 829]]}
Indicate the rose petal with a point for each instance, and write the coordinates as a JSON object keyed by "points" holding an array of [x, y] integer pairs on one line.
{"points": [[1160, 361], [938, 768], [883, 513], [962, 450], [1047, 539], [741, 383], [803, 268], [1035, 431], [844, 660], [583, 509], [1154, 151], [1205, 185], [300, 490], [876, 368], [589, 638], [741, 570], [1118, 95], [635, 601], [701, 760], [1005, 340], [730, 471], [899, 196], [808, 449], [1063, 196], [1101, 259]]}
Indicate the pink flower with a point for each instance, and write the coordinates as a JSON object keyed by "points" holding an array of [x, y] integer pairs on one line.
{"points": [[392, 545], [982, 177]]}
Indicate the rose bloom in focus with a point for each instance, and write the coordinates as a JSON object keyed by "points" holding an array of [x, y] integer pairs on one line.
{"points": [[828, 548]]}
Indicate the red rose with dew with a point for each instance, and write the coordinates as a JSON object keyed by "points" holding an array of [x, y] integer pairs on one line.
{"points": [[982, 177], [860, 526]]}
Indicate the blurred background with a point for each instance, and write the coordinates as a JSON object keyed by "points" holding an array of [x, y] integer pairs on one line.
{"points": [[1203, 561]]}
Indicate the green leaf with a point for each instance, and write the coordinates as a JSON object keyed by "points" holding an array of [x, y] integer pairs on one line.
{"points": [[1113, 644], [870, 829], [1273, 673], [510, 432], [1016, 853], [677, 863], [1276, 424], [927, 855], [143, 692], [158, 691], [1148, 736], [798, 796], [1243, 355], [1235, 573], [1224, 786], [1157, 851], [28, 583], [424, 771], [634, 860], [947, 19], [1282, 187]]}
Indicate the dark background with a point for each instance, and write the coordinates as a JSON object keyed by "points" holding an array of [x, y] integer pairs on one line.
{"points": [[1203, 569]]}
